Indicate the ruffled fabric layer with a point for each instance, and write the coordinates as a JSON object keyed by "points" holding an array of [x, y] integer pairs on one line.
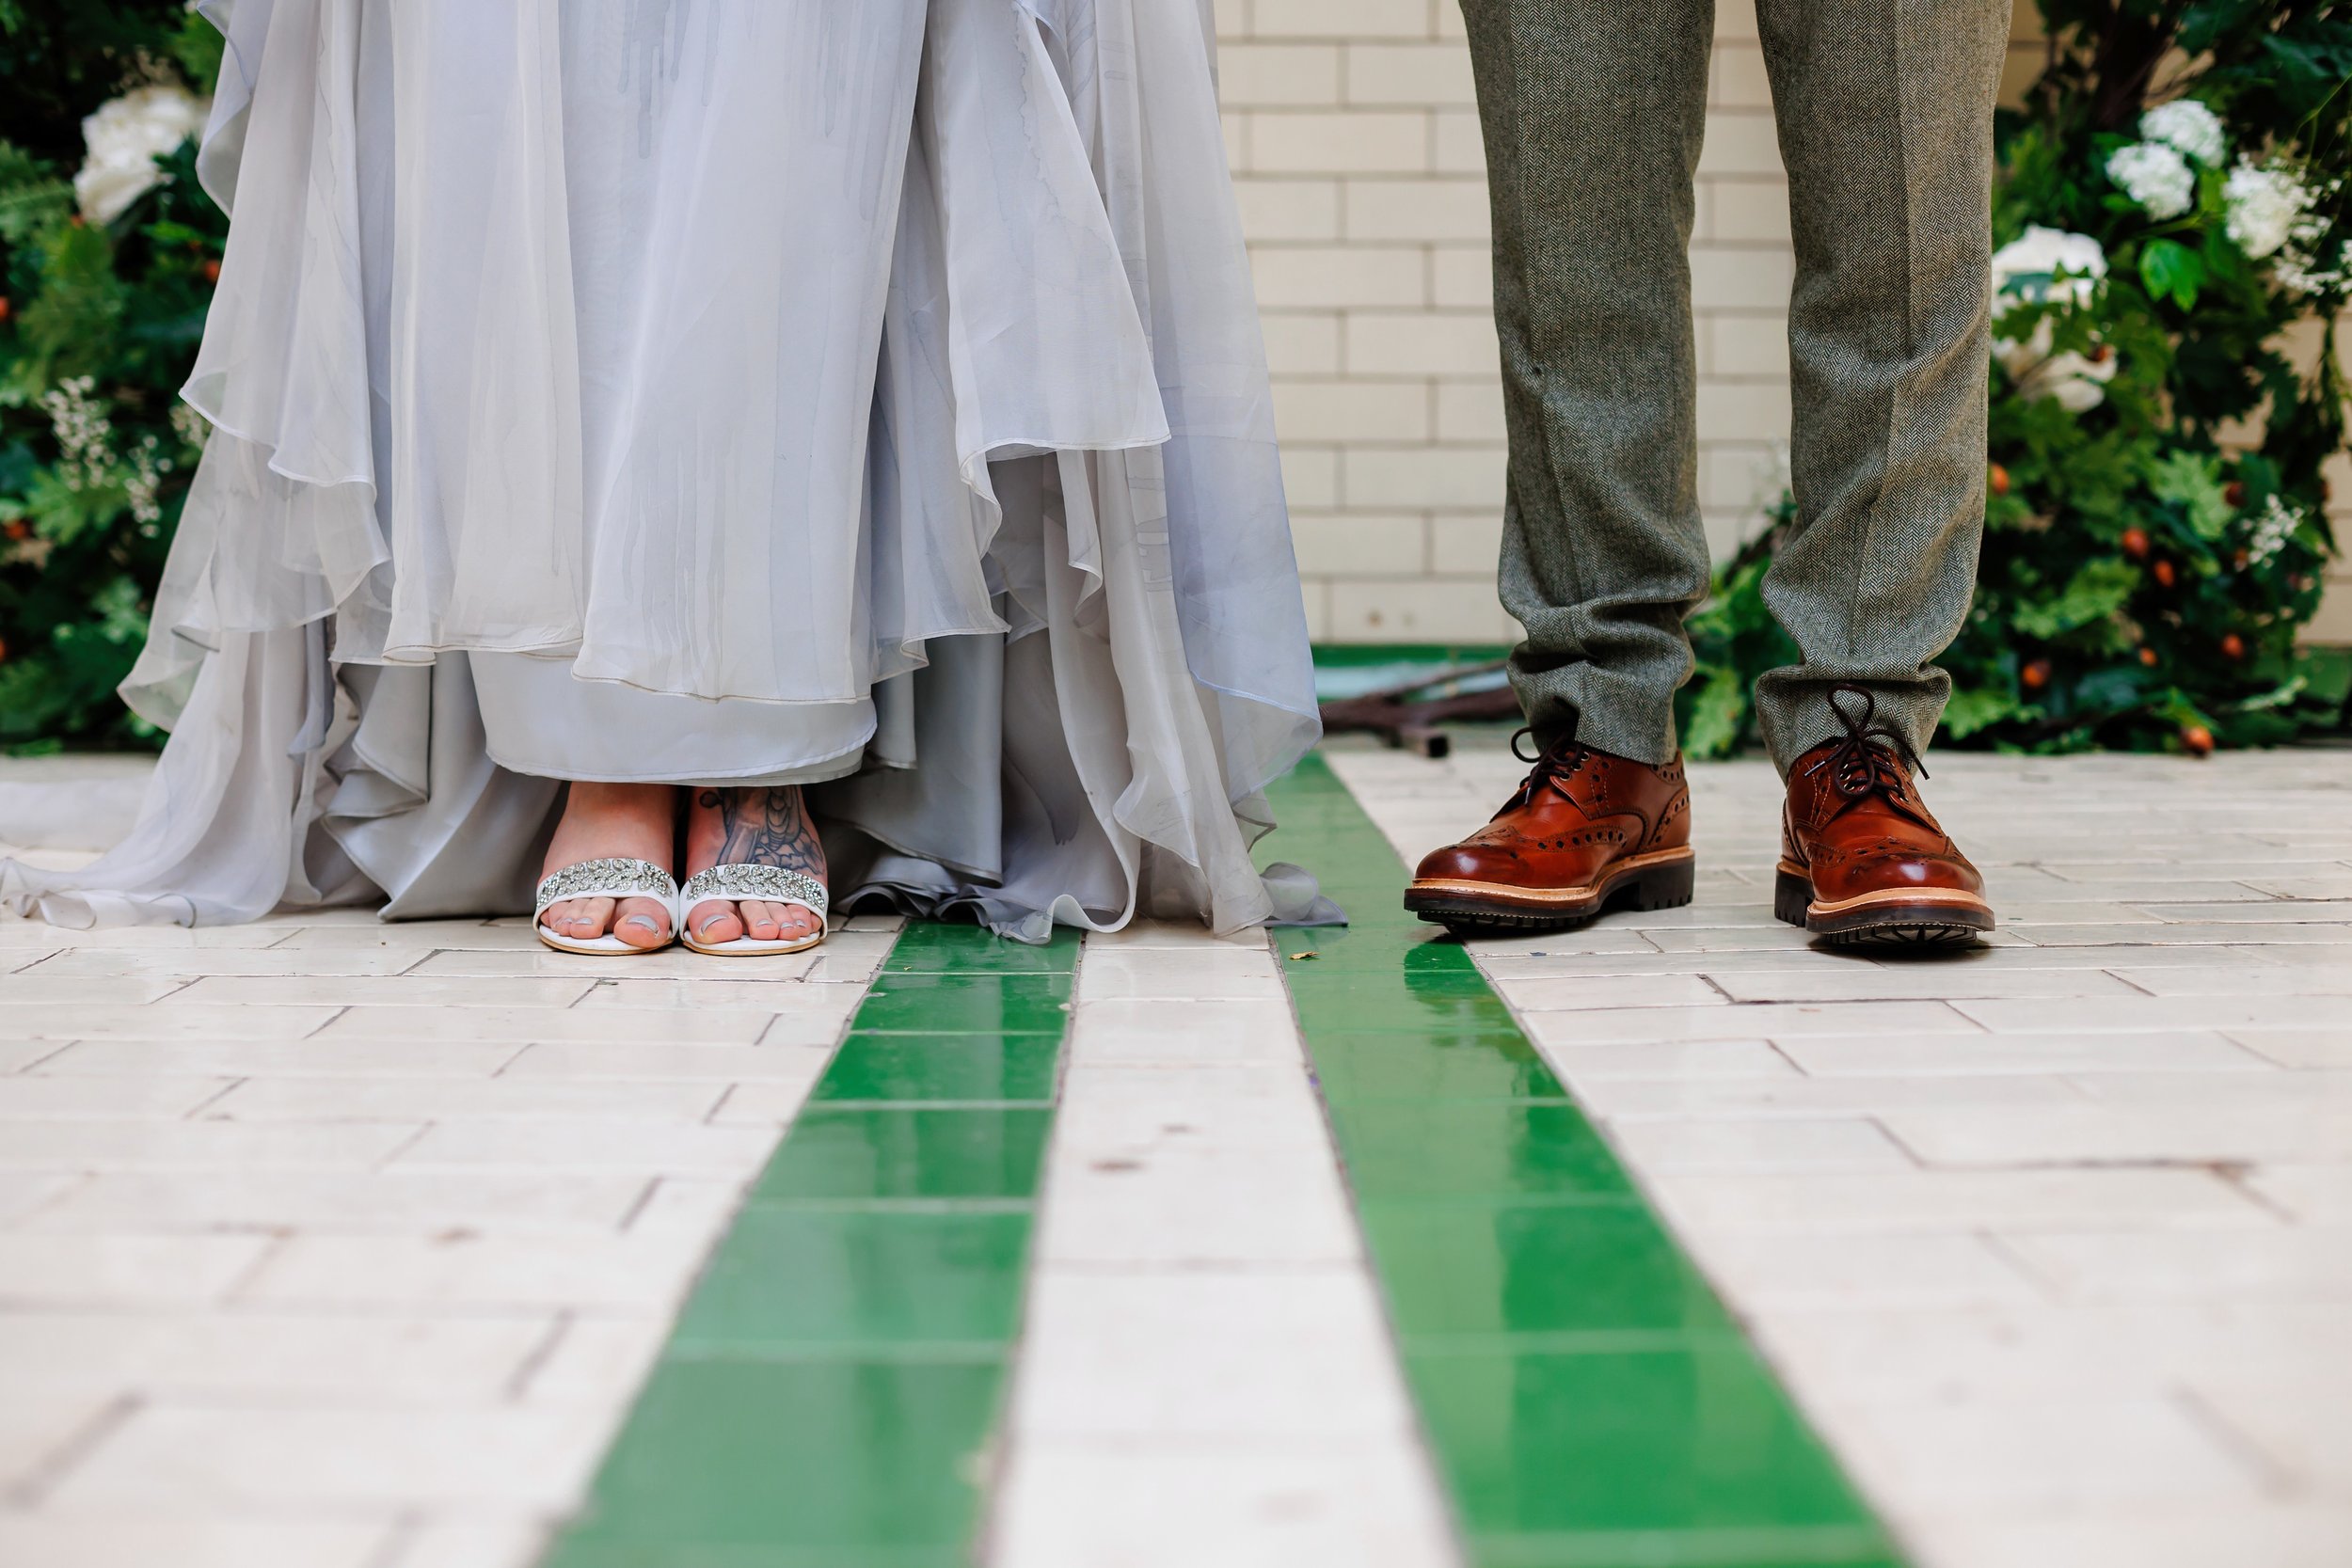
{"points": [[681, 390]]}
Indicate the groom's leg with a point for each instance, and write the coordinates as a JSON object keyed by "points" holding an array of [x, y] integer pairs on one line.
{"points": [[1885, 111], [1592, 113]]}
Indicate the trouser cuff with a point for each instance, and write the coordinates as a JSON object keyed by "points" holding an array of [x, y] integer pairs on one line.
{"points": [[1794, 712], [1609, 713]]}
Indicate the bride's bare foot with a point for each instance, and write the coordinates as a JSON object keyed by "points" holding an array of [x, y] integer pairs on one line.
{"points": [[613, 821], [752, 827]]}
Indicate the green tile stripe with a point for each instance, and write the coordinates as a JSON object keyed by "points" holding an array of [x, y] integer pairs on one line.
{"points": [[1590, 1403], [827, 1396]]}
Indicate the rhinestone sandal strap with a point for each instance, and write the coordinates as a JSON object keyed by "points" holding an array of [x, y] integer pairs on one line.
{"points": [[767, 883], [607, 878]]}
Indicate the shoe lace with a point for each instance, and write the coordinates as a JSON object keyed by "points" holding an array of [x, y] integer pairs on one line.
{"points": [[1869, 761], [1553, 765]]}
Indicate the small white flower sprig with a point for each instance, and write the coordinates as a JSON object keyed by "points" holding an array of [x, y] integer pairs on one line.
{"points": [[2271, 529], [87, 459], [2273, 215], [84, 434]]}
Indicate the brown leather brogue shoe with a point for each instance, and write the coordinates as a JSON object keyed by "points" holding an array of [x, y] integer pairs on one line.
{"points": [[1862, 860], [1585, 831]]}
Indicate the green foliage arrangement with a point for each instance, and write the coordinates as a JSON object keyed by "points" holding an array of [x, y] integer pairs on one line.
{"points": [[2172, 214], [102, 295]]}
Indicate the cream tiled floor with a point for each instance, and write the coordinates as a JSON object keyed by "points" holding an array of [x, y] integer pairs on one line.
{"points": [[325, 1243], [2053, 1240], [331, 1244], [328, 1244]]}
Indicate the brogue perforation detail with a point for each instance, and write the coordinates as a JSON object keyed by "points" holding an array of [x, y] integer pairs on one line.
{"points": [[1579, 841]]}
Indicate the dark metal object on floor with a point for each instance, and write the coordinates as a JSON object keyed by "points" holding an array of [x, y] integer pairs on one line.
{"points": [[1407, 717]]}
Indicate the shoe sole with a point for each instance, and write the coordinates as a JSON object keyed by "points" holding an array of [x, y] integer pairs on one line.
{"points": [[1895, 918], [1661, 879]]}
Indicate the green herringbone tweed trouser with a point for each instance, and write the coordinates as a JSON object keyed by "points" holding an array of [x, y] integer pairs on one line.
{"points": [[1593, 111]]}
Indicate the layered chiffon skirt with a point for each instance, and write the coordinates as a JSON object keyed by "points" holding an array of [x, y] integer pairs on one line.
{"points": [[861, 395]]}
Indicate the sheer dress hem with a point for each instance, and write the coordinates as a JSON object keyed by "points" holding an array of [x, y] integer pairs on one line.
{"points": [[1033, 549]]}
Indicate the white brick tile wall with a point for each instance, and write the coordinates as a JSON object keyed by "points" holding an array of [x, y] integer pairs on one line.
{"points": [[1462, 276], [1279, 75], [1361, 173], [1739, 143], [1427, 609], [1433, 477], [1470, 411], [1277, 212], [1361, 543], [1319, 277], [1333, 409], [1408, 209], [1421, 343], [1338, 19], [1346, 141], [1747, 211], [1429, 75], [1301, 344]]}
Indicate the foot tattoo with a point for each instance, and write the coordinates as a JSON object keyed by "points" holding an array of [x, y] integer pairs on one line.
{"points": [[765, 827]]}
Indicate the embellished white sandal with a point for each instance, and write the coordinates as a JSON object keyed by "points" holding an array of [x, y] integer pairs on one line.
{"points": [[608, 879], [767, 884]]}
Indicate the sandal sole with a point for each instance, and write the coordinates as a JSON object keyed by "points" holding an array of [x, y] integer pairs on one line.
{"points": [[599, 947], [746, 948]]}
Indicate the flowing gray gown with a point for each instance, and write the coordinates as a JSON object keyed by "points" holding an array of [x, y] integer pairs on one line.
{"points": [[863, 395]]}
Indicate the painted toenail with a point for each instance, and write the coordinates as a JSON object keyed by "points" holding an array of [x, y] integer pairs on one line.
{"points": [[641, 920]]}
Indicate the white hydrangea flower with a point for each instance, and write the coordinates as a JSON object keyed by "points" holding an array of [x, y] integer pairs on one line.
{"points": [[124, 138], [2078, 380], [2051, 266], [2187, 126], [2263, 205], [2047, 266], [2155, 176]]}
